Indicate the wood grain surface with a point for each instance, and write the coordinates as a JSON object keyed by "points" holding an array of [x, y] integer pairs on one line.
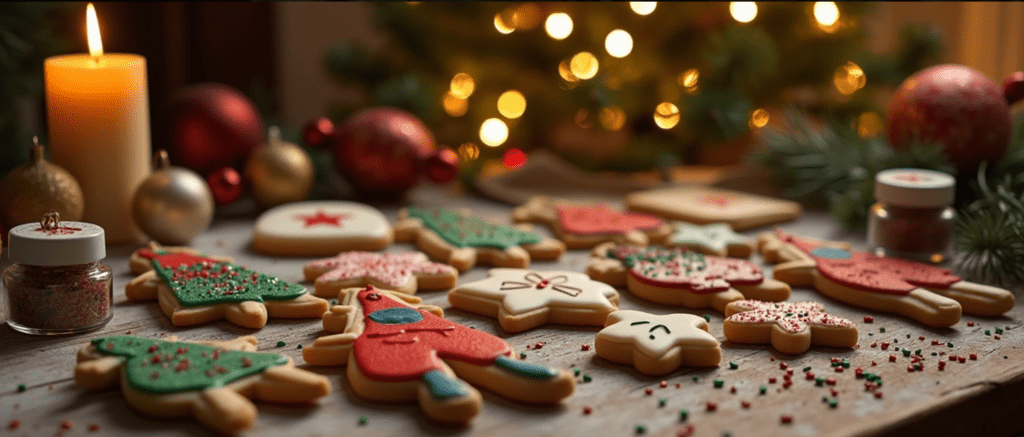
{"points": [[978, 397]]}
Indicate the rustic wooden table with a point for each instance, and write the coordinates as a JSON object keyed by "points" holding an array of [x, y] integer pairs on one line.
{"points": [[979, 397]]}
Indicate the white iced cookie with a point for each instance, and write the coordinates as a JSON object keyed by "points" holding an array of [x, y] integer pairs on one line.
{"points": [[321, 228], [715, 239], [524, 299], [657, 345]]}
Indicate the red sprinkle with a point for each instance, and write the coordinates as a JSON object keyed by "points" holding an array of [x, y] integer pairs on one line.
{"points": [[585, 347], [648, 391], [94, 427], [869, 319], [885, 345], [833, 392], [878, 394], [155, 359], [874, 344], [745, 404], [783, 365], [995, 337], [663, 384], [973, 356], [874, 363], [772, 359], [962, 359], [678, 385], [935, 342], [153, 348], [789, 372], [839, 369], [786, 419], [870, 386], [787, 384], [587, 410], [809, 376], [830, 381], [910, 368], [732, 389], [15, 424], [786, 377], [892, 358], [952, 357], [687, 431], [921, 338], [858, 372], [772, 380], [67, 424], [711, 406], [970, 323]]}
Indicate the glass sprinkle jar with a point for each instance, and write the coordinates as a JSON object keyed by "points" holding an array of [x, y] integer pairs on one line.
{"points": [[57, 284], [912, 218]]}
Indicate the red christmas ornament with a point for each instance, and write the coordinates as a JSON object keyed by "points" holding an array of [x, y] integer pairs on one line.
{"points": [[1013, 87], [382, 151], [443, 166], [317, 132], [225, 185], [212, 126], [955, 106]]}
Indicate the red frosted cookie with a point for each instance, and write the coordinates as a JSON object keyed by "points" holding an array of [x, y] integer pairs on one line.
{"points": [[582, 226]]}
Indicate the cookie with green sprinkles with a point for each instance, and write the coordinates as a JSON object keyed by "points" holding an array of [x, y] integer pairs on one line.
{"points": [[214, 381], [193, 289]]}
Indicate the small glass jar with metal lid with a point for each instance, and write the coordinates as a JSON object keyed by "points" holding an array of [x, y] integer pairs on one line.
{"points": [[57, 284], [912, 218]]}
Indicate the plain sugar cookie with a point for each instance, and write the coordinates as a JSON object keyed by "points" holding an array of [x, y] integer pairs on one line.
{"points": [[704, 205], [320, 228], [657, 345]]}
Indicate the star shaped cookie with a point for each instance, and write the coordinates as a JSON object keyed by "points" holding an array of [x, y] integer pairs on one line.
{"points": [[790, 327], [715, 239], [524, 299], [657, 345], [402, 272]]}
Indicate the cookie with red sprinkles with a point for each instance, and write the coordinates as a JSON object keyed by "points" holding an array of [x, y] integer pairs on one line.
{"points": [[790, 327]]}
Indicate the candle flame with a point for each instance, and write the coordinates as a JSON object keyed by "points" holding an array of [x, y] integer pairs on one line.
{"points": [[92, 25]]}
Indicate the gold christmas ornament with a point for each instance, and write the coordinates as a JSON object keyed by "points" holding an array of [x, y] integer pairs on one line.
{"points": [[173, 205], [37, 187], [279, 172]]}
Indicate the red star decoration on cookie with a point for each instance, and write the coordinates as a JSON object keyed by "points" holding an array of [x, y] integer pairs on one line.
{"points": [[321, 218]]}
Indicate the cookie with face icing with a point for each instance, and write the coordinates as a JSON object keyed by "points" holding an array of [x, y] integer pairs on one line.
{"points": [[398, 350], [657, 345], [213, 381], [585, 225]]}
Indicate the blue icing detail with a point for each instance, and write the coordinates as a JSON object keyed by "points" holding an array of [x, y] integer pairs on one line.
{"points": [[525, 369], [830, 253], [443, 386], [396, 316]]}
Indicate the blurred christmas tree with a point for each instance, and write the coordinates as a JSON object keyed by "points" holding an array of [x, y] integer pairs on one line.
{"points": [[620, 85]]}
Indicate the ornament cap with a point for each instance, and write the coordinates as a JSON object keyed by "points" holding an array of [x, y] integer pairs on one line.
{"points": [[52, 242], [37, 151], [916, 188], [160, 160]]}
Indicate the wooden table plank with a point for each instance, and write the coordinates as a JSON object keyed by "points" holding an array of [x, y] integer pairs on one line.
{"points": [[931, 400]]}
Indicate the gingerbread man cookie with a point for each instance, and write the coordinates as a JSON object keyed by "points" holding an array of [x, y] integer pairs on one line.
{"points": [[461, 240], [401, 272], [195, 289], [398, 350], [931, 295], [213, 381], [715, 239], [703, 205], [524, 299], [657, 345], [679, 276], [582, 226], [790, 327], [320, 228]]}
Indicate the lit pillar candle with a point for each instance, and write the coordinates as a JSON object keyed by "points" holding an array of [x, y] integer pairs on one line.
{"points": [[98, 116]]}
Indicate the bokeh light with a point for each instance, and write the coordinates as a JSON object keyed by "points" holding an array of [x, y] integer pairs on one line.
{"points": [[744, 12], [462, 86], [643, 8], [826, 13], [502, 26], [583, 118], [666, 115], [511, 104], [583, 65], [869, 124], [566, 72], [558, 25], [513, 158], [493, 132], [453, 105], [618, 43], [612, 117], [849, 78], [758, 118], [468, 152], [688, 79]]}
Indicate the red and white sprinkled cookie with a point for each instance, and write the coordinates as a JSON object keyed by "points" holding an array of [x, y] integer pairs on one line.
{"points": [[931, 295], [582, 226], [790, 327], [678, 276], [320, 228], [657, 345], [704, 205], [401, 272]]}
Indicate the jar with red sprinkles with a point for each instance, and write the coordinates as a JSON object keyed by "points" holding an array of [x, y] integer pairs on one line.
{"points": [[913, 218], [57, 284]]}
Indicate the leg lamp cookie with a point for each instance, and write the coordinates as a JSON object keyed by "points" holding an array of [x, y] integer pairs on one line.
{"points": [[716, 239], [931, 295], [790, 327], [193, 289], [524, 299], [321, 228], [703, 205], [399, 351], [462, 240], [213, 381], [681, 277], [401, 272], [657, 345], [585, 226]]}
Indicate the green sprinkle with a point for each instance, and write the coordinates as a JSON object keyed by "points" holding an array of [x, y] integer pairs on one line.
{"points": [[1005, 357], [881, 329], [763, 389], [987, 332], [934, 354], [719, 383], [906, 352], [21, 388], [522, 355], [917, 352], [640, 429], [726, 434], [908, 335], [950, 344], [696, 379], [587, 378], [999, 330], [845, 363], [363, 420], [836, 364], [833, 402], [819, 381], [733, 365], [662, 401], [280, 343], [707, 318], [298, 347], [683, 414], [895, 340], [807, 369], [334, 301], [576, 371], [871, 334]]}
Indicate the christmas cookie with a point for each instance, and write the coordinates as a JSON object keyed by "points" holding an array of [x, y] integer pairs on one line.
{"points": [[398, 350], [401, 272], [657, 345], [790, 327], [678, 276], [582, 226], [195, 289], [703, 205], [321, 228], [524, 299], [139, 264], [461, 240], [931, 295], [213, 381], [715, 239]]}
